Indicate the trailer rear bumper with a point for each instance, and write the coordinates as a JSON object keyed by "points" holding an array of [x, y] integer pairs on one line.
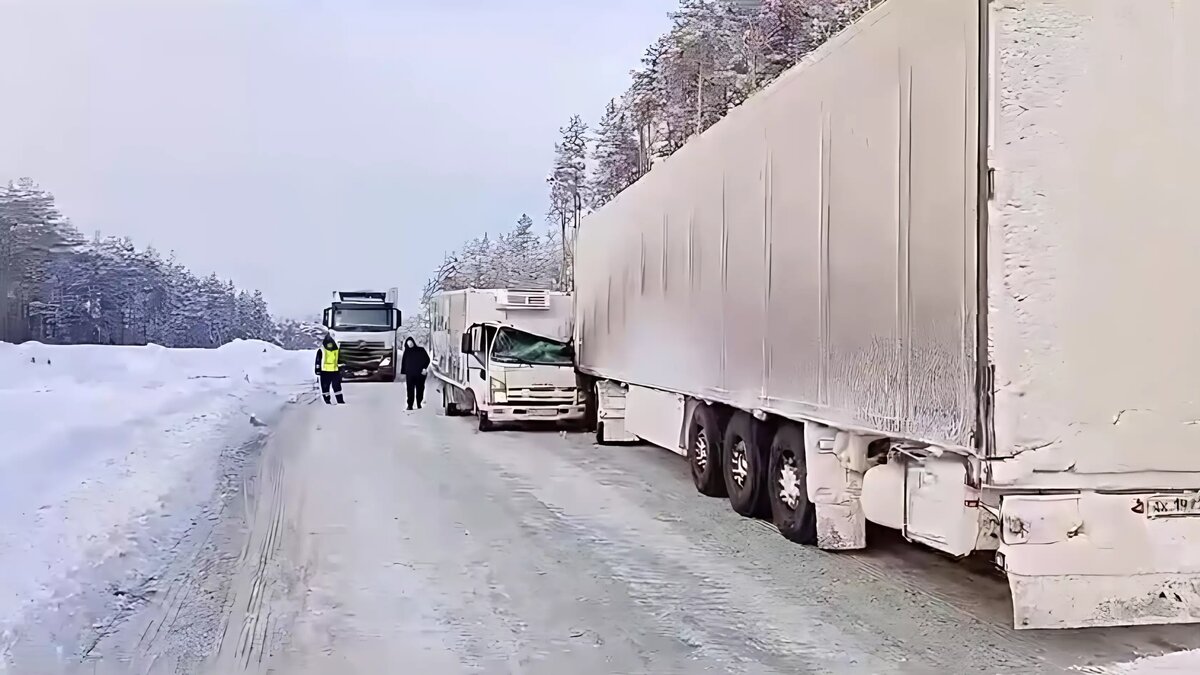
{"points": [[1091, 559]]}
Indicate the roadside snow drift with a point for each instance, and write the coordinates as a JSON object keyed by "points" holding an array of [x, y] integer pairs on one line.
{"points": [[1179, 663], [94, 440]]}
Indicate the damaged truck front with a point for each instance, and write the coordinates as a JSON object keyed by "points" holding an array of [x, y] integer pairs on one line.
{"points": [[940, 276]]}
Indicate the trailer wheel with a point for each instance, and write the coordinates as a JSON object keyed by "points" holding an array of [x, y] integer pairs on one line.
{"points": [[704, 452], [787, 486], [745, 465]]}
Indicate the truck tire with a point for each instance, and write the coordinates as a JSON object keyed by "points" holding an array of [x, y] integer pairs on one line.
{"points": [[485, 424], [747, 451], [704, 451], [787, 486]]}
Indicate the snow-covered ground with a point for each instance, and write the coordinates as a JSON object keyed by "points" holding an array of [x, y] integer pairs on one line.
{"points": [[96, 441], [1178, 663]]}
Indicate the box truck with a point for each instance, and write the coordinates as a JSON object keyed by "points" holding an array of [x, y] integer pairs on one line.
{"points": [[941, 276], [505, 355], [364, 323]]}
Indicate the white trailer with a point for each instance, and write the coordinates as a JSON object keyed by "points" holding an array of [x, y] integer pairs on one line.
{"points": [[505, 355], [941, 276], [364, 323]]}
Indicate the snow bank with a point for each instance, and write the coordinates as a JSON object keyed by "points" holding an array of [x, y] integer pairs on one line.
{"points": [[93, 440], [1178, 663]]}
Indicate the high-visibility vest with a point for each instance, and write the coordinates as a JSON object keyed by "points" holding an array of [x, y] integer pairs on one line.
{"points": [[329, 360]]}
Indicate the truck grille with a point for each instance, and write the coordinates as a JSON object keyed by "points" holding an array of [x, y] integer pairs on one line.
{"points": [[363, 353], [534, 396]]}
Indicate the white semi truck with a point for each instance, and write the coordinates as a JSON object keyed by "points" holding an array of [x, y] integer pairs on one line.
{"points": [[364, 323], [942, 276], [505, 355]]}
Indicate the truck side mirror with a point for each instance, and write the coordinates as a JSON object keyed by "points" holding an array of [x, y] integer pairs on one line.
{"points": [[466, 346], [397, 318], [326, 319]]}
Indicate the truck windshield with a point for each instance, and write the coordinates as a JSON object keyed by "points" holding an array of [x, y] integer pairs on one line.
{"points": [[514, 346], [362, 319]]}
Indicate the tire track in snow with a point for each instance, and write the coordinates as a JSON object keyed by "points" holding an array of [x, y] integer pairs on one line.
{"points": [[246, 635]]}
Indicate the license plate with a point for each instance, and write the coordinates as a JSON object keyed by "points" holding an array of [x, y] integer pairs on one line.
{"points": [[1173, 506], [360, 373], [545, 413]]}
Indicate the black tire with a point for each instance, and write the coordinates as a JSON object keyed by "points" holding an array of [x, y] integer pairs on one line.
{"points": [[485, 424], [704, 452], [796, 517], [600, 434], [746, 447]]}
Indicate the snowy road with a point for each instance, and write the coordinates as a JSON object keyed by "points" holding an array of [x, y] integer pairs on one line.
{"points": [[380, 541]]}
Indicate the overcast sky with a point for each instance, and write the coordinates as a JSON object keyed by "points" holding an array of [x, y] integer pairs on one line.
{"points": [[302, 146]]}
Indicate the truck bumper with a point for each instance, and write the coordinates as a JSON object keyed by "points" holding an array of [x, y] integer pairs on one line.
{"points": [[567, 412], [1091, 559], [369, 374]]}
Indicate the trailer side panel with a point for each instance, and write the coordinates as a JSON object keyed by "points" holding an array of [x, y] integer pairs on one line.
{"points": [[813, 254]]}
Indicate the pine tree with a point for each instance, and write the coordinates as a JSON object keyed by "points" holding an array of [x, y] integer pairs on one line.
{"points": [[59, 288], [615, 155], [33, 235], [568, 179]]}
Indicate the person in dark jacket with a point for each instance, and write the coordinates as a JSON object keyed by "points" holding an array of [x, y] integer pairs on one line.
{"points": [[329, 370], [413, 366]]}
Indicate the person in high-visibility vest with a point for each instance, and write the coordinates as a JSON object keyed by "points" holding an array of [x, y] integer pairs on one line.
{"points": [[329, 370]]}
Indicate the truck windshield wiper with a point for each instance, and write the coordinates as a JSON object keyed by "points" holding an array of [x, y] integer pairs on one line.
{"points": [[514, 359]]}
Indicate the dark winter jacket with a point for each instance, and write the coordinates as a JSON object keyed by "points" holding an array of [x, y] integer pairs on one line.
{"points": [[415, 359]]}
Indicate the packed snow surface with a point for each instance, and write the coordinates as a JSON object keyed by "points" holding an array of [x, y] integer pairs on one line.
{"points": [[1178, 663], [96, 440]]}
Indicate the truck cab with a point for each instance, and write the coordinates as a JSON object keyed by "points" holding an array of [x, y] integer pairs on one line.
{"points": [[364, 323], [519, 375], [505, 354]]}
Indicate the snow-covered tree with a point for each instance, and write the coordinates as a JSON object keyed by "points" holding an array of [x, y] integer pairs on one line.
{"points": [[415, 325], [57, 287], [568, 180], [569, 188], [294, 334], [517, 258], [616, 154], [716, 54], [33, 235]]}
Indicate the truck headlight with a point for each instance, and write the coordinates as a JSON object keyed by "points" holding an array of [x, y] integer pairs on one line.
{"points": [[387, 361], [499, 396]]}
